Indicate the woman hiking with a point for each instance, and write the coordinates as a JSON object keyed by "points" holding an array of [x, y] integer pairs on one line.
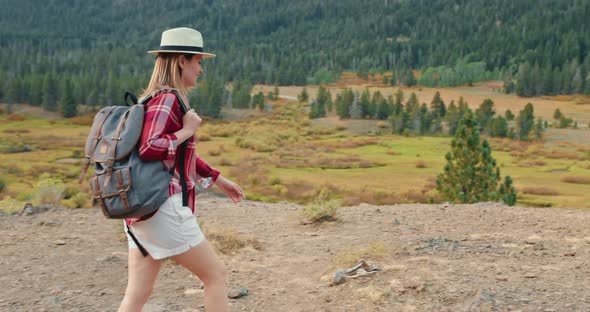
{"points": [[172, 231]]}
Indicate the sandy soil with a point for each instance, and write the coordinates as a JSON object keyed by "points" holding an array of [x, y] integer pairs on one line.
{"points": [[482, 257]]}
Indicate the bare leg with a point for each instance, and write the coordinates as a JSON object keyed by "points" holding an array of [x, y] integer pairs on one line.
{"points": [[142, 275], [202, 261]]}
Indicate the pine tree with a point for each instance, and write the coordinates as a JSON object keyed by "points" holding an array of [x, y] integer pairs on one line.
{"points": [[507, 192], [49, 93], [539, 128], [452, 117], [471, 174], [67, 105], [484, 113], [498, 127], [525, 122], [437, 106], [364, 103], [303, 97], [509, 115]]}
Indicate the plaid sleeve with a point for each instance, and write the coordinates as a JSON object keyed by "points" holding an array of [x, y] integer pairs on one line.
{"points": [[206, 171], [158, 141]]}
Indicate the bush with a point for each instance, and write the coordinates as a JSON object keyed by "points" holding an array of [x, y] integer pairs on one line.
{"points": [[227, 241], [2, 185], [275, 181], [79, 200], [203, 136], [48, 190], [322, 208], [420, 164]]}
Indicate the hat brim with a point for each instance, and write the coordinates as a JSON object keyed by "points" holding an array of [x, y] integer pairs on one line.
{"points": [[205, 55]]}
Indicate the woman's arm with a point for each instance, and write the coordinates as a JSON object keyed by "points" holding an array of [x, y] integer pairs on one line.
{"points": [[158, 142]]}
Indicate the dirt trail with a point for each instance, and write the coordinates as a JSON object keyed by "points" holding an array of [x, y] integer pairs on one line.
{"points": [[482, 257]]}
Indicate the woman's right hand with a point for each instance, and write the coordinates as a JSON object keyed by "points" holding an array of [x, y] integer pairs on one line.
{"points": [[191, 121]]}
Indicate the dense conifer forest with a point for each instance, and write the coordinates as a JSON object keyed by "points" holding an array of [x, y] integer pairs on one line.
{"points": [[62, 52]]}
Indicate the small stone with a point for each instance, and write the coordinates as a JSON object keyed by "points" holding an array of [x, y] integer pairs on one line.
{"points": [[339, 278], [192, 291], [237, 293], [570, 254], [501, 279], [530, 275], [59, 242]]}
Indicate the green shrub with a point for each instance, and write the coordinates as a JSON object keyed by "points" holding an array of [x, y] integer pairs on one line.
{"points": [[275, 181], [80, 200], [322, 208], [2, 185], [48, 190]]}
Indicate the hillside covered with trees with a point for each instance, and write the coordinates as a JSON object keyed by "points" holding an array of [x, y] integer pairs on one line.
{"points": [[92, 51]]}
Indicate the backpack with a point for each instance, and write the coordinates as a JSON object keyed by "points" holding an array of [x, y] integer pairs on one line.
{"points": [[124, 186]]}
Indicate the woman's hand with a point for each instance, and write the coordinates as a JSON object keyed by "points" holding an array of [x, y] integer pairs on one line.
{"points": [[191, 121], [230, 188]]}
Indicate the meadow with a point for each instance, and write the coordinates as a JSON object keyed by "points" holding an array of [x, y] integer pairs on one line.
{"points": [[282, 155]]}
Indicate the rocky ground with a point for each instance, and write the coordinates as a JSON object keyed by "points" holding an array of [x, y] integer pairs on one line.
{"points": [[482, 257]]}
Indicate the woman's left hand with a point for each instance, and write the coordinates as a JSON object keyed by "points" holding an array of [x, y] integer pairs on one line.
{"points": [[230, 188]]}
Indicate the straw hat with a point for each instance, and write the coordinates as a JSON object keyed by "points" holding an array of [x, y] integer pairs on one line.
{"points": [[182, 40]]}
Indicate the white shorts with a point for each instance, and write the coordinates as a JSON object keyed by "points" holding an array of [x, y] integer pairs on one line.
{"points": [[172, 230]]}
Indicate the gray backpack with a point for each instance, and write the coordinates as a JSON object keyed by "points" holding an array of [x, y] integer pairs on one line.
{"points": [[124, 186]]}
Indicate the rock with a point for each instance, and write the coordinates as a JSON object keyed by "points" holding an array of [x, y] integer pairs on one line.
{"points": [[59, 242], [237, 293], [192, 291], [339, 278]]}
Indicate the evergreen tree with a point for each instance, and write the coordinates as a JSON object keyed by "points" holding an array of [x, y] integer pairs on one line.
{"points": [[471, 174], [364, 103], [36, 93], [303, 97], [498, 127], [507, 192], [67, 105], [509, 115], [437, 106], [452, 117], [398, 105], [484, 113], [539, 128], [49, 93], [11, 96], [557, 114], [525, 122]]}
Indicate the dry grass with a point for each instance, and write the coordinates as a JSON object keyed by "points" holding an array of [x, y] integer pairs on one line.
{"points": [[228, 241], [556, 154], [533, 163], [349, 257], [322, 208], [80, 120], [16, 131], [539, 190], [576, 179], [15, 117]]}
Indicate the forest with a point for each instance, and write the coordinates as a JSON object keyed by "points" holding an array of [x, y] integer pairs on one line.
{"points": [[64, 53]]}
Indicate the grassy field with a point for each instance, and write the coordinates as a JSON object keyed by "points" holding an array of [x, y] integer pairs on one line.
{"points": [[283, 156], [573, 106]]}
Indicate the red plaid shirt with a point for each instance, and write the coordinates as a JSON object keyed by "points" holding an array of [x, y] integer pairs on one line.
{"points": [[163, 118]]}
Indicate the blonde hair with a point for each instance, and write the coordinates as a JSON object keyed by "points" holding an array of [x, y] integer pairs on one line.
{"points": [[166, 72]]}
